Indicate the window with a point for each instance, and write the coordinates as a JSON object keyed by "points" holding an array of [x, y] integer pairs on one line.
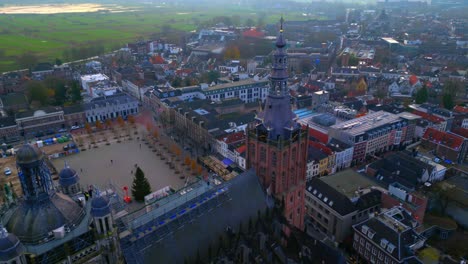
{"points": [[374, 251], [274, 159], [362, 241], [381, 255], [262, 154], [387, 260], [368, 246]]}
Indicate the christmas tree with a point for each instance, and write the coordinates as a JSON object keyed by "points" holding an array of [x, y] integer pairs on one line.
{"points": [[141, 186]]}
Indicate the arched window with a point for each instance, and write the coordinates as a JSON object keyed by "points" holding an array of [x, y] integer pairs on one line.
{"points": [[262, 154], [274, 159]]}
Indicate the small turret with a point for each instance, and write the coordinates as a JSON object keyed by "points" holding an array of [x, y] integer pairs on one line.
{"points": [[11, 249]]}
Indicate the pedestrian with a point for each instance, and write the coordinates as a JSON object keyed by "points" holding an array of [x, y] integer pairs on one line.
{"points": [[131, 172], [140, 145], [81, 169], [112, 161]]}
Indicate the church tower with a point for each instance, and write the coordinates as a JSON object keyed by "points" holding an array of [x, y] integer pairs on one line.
{"points": [[277, 144]]}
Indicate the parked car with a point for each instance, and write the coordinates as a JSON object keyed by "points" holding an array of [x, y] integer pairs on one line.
{"points": [[62, 130], [7, 171], [74, 127]]}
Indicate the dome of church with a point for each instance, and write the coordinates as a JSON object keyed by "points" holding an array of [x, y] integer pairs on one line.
{"points": [[32, 222], [67, 177], [28, 154], [100, 206], [10, 246]]}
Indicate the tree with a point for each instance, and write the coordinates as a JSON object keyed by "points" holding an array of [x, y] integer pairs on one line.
{"points": [[27, 60], [353, 60], [120, 121], [75, 92], [249, 22], [447, 101], [232, 52], [140, 186], [108, 123], [98, 124], [131, 119], [187, 160], [177, 82], [422, 95], [37, 92], [58, 61], [88, 128], [193, 165]]}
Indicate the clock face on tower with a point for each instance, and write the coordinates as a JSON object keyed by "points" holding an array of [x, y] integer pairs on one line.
{"points": [[262, 136]]}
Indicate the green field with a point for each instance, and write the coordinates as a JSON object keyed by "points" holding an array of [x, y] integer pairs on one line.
{"points": [[48, 36]]}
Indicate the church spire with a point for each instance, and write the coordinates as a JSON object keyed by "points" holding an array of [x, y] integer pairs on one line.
{"points": [[277, 117], [279, 73]]}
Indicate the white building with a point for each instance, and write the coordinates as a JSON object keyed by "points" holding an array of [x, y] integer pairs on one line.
{"points": [[94, 81], [343, 154], [110, 107], [312, 170], [248, 90]]}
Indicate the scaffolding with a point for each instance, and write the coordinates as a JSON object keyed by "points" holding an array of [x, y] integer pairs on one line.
{"points": [[139, 234]]}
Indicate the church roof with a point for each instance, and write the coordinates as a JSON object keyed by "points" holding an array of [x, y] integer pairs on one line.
{"points": [[100, 206], [67, 177], [28, 154], [32, 223], [10, 246]]}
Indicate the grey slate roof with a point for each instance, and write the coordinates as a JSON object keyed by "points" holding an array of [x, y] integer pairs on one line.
{"points": [[7, 121], [33, 222], [73, 109], [115, 99], [340, 202], [402, 168], [401, 240]]}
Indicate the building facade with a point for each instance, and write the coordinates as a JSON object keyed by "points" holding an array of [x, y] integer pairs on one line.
{"points": [[388, 238], [376, 132], [332, 213], [110, 107], [40, 122], [277, 145]]}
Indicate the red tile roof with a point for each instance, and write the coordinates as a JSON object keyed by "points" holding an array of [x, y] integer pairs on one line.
{"points": [[450, 140], [461, 131], [460, 109], [233, 137], [253, 33], [241, 149], [321, 147], [429, 117], [157, 60]]}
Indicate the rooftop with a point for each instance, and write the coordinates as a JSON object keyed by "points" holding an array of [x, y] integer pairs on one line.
{"points": [[393, 231], [348, 182], [94, 77], [447, 139], [236, 84], [360, 125]]}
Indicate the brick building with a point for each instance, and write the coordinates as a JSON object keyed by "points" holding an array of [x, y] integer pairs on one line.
{"points": [[446, 145], [278, 145]]}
